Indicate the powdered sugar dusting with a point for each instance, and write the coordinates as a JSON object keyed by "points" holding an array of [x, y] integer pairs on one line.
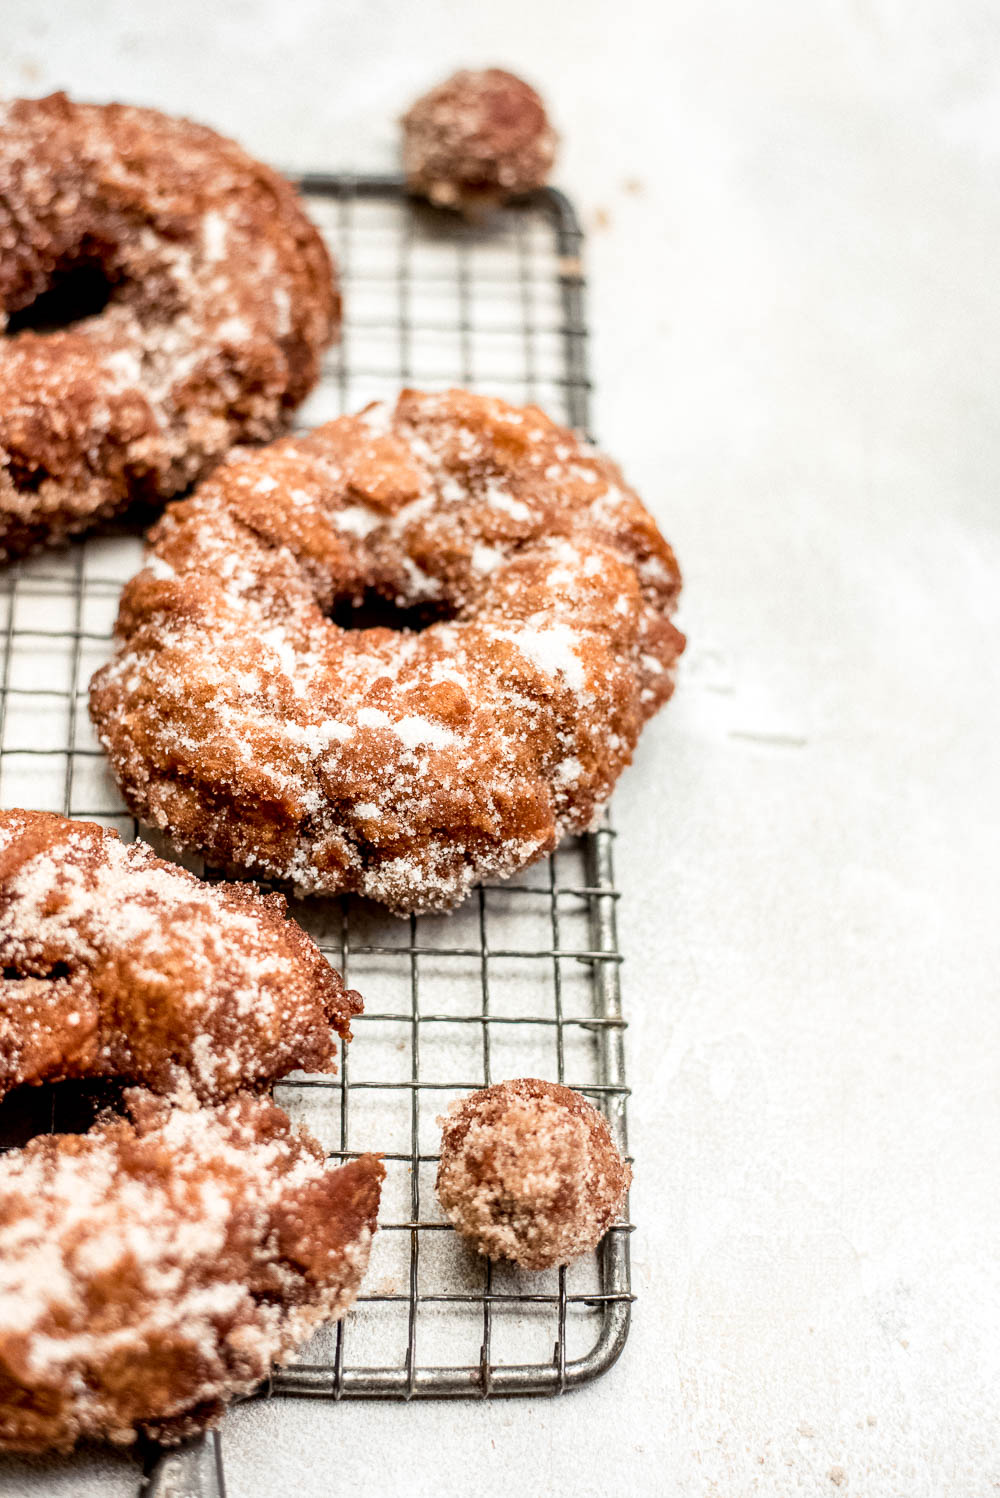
{"points": [[554, 648], [529, 1172], [221, 302], [195, 1249], [405, 764], [477, 138], [163, 979]]}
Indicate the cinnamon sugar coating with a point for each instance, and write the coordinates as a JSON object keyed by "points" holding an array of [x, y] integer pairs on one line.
{"points": [[477, 139], [118, 964], [222, 298], [152, 1270], [405, 764], [529, 1172]]}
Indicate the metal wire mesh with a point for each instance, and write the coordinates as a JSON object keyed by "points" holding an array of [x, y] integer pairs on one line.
{"points": [[523, 980]]}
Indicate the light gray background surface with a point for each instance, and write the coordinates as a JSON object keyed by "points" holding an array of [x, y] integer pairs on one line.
{"points": [[794, 213]]}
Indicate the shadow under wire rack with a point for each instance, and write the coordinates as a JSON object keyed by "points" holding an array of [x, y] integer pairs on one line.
{"points": [[521, 980]]}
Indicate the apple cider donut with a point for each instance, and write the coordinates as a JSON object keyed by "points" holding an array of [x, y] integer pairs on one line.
{"points": [[152, 1270], [218, 300], [532, 596], [118, 964]]}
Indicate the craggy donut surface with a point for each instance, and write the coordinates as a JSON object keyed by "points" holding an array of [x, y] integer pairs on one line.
{"points": [[221, 298], [118, 964], [529, 1172], [151, 1270], [476, 139], [405, 764]]}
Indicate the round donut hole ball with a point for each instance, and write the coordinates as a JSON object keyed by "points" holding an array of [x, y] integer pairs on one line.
{"points": [[476, 140], [529, 1172]]}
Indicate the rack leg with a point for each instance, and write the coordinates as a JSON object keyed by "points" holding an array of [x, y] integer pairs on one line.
{"points": [[193, 1470]]}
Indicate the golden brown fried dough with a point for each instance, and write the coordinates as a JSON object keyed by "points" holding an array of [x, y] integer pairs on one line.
{"points": [[477, 139], [529, 1172], [118, 964], [406, 764], [220, 299], [150, 1271]]}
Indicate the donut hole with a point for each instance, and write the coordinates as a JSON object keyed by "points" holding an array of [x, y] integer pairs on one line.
{"points": [[375, 610], [65, 1107], [70, 1107], [58, 970], [78, 289]]}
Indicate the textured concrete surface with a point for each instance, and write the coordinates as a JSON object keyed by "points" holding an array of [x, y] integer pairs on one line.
{"points": [[794, 213]]}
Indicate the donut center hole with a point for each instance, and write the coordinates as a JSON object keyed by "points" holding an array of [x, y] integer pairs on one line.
{"points": [[373, 610], [78, 290], [54, 1108], [58, 970]]}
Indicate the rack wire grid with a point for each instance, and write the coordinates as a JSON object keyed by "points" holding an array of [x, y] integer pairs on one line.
{"points": [[523, 979]]}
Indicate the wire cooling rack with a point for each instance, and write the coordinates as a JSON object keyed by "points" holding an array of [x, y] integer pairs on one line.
{"points": [[523, 979]]}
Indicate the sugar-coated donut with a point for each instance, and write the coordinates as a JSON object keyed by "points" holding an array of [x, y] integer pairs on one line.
{"points": [[477, 139], [151, 1270], [529, 1172], [245, 720], [118, 964], [220, 299]]}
